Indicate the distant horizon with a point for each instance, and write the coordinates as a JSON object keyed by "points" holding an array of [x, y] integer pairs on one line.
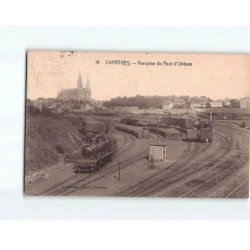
{"points": [[153, 96]]}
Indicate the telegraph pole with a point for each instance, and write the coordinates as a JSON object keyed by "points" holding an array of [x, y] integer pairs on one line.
{"points": [[157, 134], [210, 116], [119, 171]]}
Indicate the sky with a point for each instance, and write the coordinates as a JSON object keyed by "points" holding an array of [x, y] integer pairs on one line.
{"points": [[217, 76]]}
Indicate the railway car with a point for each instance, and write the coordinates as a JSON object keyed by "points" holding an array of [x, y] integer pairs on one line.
{"points": [[179, 121], [129, 120], [96, 153], [168, 134], [159, 125], [133, 130], [191, 135], [245, 124], [205, 135]]}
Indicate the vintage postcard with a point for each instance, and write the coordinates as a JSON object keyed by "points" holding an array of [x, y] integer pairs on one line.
{"points": [[137, 124]]}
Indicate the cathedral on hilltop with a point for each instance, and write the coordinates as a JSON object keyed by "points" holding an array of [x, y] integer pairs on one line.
{"points": [[80, 93]]}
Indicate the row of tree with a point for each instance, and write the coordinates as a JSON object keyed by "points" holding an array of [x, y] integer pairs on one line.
{"points": [[157, 101], [36, 111], [148, 101]]}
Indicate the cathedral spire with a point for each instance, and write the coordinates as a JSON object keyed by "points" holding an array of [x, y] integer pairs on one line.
{"points": [[88, 83], [79, 81]]}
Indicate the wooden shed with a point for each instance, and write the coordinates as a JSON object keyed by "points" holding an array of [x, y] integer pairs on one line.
{"points": [[158, 151]]}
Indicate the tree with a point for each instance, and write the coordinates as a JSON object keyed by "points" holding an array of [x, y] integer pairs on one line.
{"points": [[33, 110], [45, 111], [234, 103], [208, 105]]}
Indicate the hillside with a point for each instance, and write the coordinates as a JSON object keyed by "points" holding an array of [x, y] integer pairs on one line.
{"points": [[48, 140]]}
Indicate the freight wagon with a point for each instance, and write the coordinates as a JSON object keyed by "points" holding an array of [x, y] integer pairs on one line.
{"points": [[159, 125], [205, 135], [129, 120], [245, 124], [169, 134], [178, 121], [191, 135], [135, 131], [164, 126]]}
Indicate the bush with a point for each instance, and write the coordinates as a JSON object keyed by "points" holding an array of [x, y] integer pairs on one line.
{"points": [[59, 149], [33, 110]]}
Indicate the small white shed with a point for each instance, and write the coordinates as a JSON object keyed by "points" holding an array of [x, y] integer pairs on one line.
{"points": [[158, 151]]}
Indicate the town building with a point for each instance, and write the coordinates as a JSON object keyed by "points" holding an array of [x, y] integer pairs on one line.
{"points": [[192, 104], [216, 104], [245, 102], [168, 104], [179, 103], [126, 109], [86, 108], [79, 93], [201, 104], [226, 103]]}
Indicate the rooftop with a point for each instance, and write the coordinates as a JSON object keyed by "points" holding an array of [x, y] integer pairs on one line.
{"points": [[229, 110], [158, 143], [167, 102], [179, 100]]}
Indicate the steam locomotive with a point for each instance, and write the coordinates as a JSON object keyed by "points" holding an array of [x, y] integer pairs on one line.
{"points": [[205, 131], [98, 150]]}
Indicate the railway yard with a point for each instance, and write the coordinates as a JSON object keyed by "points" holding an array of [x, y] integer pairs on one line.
{"points": [[192, 169]]}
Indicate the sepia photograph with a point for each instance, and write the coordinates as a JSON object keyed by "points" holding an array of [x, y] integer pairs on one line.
{"points": [[129, 119], [128, 124]]}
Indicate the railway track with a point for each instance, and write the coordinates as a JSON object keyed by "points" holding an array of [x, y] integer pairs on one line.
{"points": [[76, 179], [188, 173], [123, 164], [153, 185], [82, 182], [128, 141], [134, 189], [204, 174], [222, 183], [242, 187], [214, 179], [57, 189]]}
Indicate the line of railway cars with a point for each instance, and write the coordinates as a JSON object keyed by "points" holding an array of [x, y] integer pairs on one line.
{"points": [[190, 129], [133, 130], [179, 121]]}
